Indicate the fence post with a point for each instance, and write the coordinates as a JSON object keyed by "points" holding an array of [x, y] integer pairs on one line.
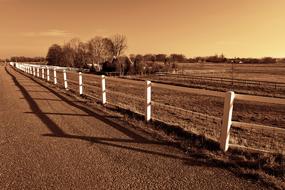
{"points": [[148, 101], [103, 86], [47, 74], [65, 79], [43, 73], [54, 76], [80, 83], [38, 72], [34, 71], [227, 120]]}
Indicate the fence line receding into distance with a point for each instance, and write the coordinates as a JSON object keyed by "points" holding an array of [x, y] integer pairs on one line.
{"points": [[228, 97]]}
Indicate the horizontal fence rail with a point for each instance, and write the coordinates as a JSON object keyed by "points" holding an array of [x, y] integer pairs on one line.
{"points": [[60, 76]]}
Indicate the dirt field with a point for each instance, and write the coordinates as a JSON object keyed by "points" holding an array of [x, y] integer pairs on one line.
{"points": [[261, 72], [256, 79], [179, 109]]}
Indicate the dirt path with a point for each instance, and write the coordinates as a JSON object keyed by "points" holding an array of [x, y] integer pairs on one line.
{"points": [[47, 142]]}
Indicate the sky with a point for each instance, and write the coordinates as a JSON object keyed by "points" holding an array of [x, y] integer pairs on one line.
{"points": [[236, 28]]}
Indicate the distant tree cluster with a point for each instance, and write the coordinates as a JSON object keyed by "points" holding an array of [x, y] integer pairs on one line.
{"points": [[174, 58], [92, 53], [140, 64], [282, 60], [27, 59], [222, 59], [264, 60]]}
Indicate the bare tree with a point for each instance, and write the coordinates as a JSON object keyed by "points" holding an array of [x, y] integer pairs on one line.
{"points": [[96, 49], [119, 44], [74, 44], [100, 50], [68, 56], [83, 56], [54, 54], [108, 46]]}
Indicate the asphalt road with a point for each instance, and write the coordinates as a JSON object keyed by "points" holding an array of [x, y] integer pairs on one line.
{"points": [[47, 142]]}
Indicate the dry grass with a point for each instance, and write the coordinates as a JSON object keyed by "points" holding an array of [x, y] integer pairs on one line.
{"points": [[262, 72]]}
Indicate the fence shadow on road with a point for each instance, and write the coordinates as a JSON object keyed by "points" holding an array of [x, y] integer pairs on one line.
{"points": [[35, 108], [56, 131]]}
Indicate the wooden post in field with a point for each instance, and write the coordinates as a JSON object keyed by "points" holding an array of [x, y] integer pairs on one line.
{"points": [[227, 120], [43, 73], [48, 78], [103, 86], [80, 83], [54, 76], [148, 101], [65, 79]]}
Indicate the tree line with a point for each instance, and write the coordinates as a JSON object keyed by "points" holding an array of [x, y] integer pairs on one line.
{"points": [[97, 50], [83, 58], [106, 55], [26, 59]]}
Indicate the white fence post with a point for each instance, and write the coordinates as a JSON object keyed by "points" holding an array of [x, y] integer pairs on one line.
{"points": [[80, 83], [34, 71], [227, 120], [43, 73], [48, 74], [65, 79], [148, 101], [54, 76], [103, 86], [38, 72]]}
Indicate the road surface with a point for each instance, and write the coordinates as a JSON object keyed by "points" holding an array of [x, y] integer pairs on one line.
{"points": [[48, 142]]}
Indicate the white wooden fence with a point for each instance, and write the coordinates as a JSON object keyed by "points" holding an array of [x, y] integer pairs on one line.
{"points": [[229, 98]]}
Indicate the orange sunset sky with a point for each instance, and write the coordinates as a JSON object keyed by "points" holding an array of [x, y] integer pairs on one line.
{"points": [[244, 28]]}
